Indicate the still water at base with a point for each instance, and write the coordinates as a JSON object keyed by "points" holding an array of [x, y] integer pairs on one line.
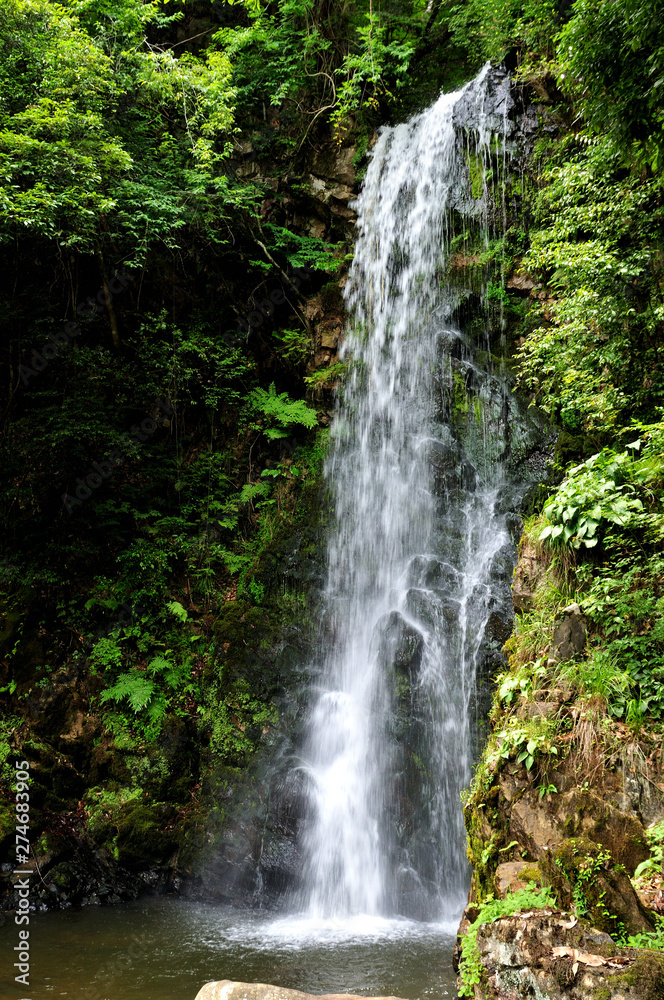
{"points": [[166, 950]]}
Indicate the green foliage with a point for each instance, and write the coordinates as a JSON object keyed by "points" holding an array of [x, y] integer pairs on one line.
{"points": [[590, 498], [62, 164], [615, 498], [280, 412], [338, 60], [655, 838], [521, 683], [493, 909], [532, 632], [594, 249], [329, 377], [612, 57], [525, 743], [239, 723], [654, 940], [489, 28]]}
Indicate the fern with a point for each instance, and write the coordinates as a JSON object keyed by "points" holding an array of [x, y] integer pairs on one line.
{"points": [[135, 686], [252, 490], [281, 411], [176, 609]]}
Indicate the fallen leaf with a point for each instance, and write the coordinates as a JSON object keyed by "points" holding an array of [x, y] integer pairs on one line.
{"points": [[575, 968], [573, 922], [580, 956]]}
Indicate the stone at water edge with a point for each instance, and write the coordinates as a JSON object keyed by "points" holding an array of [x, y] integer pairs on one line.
{"points": [[225, 989]]}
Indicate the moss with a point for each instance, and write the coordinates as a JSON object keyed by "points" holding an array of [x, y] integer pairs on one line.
{"points": [[7, 821], [585, 879], [493, 909], [531, 874], [645, 978], [483, 851], [601, 993], [141, 839]]}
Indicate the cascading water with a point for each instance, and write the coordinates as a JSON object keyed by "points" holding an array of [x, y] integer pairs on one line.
{"points": [[417, 469]]}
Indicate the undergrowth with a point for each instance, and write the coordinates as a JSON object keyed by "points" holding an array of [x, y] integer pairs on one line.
{"points": [[493, 909]]}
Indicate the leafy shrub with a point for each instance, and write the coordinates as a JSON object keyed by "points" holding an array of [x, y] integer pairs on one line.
{"points": [[590, 497], [655, 838], [523, 742]]}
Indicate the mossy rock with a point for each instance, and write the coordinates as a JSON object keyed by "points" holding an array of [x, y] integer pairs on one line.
{"points": [[645, 979], [585, 878], [7, 823], [141, 840]]}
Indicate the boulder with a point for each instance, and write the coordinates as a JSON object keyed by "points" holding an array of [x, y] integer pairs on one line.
{"points": [[541, 824], [550, 954], [583, 874], [225, 989], [529, 573]]}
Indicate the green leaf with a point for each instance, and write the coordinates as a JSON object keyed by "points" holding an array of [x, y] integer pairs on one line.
{"points": [[178, 610]]}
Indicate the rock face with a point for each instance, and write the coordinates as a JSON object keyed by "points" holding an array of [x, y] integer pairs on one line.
{"points": [[225, 989], [549, 955], [528, 574], [569, 635]]}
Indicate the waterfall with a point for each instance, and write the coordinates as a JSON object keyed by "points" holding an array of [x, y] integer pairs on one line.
{"points": [[419, 471]]}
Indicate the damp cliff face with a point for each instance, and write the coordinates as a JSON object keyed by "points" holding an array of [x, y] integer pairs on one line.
{"points": [[117, 813], [566, 801]]}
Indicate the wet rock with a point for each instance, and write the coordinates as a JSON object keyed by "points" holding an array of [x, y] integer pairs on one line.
{"points": [[430, 608], [521, 283], [581, 868], [280, 865], [450, 469], [529, 573], [433, 573], [73, 874], [641, 795], [502, 564], [551, 955], [536, 709], [542, 824], [469, 916], [569, 635], [498, 628], [400, 644], [493, 111], [225, 989]]}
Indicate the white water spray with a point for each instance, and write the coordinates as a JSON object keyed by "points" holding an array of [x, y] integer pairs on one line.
{"points": [[415, 471]]}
